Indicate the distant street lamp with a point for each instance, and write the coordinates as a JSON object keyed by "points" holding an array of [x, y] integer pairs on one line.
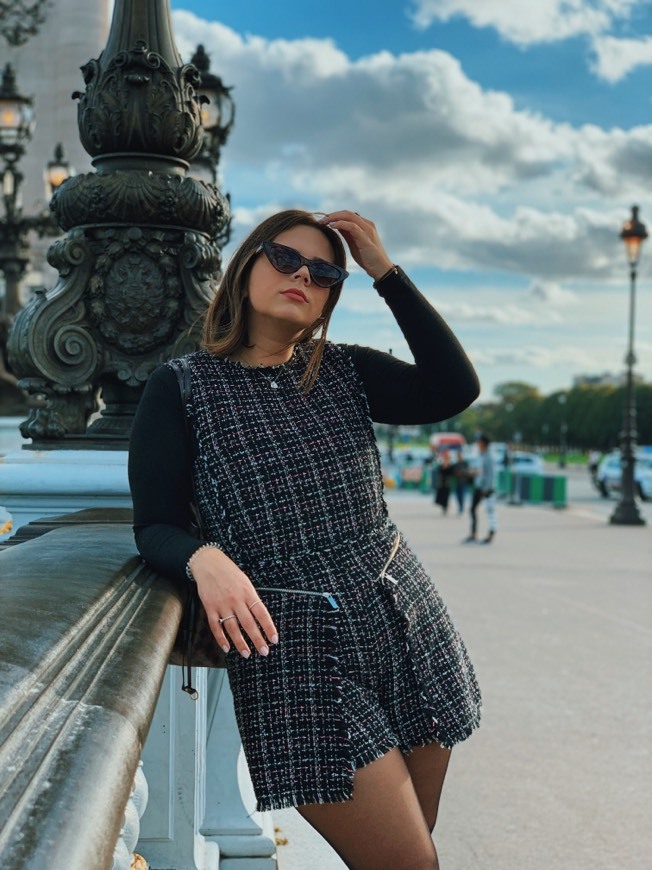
{"points": [[16, 128], [544, 435], [562, 429], [217, 117], [626, 512]]}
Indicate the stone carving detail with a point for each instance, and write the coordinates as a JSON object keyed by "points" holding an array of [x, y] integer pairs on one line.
{"points": [[66, 410], [138, 103], [140, 197], [20, 19], [126, 300], [51, 349], [135, 295]]}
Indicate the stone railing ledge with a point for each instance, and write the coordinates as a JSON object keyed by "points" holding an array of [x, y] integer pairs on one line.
{"points": [[86, 634]]}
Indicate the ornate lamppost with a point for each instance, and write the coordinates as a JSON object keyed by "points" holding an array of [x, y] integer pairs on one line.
{"points": [[141, 255], [626, 512]]}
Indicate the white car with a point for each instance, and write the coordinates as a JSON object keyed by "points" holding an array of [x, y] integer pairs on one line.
{"points": [[521, 462], [610, 473]]}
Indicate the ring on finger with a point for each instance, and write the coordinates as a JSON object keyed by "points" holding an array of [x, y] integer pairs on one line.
{"points": [[257, 601], [225, 618]]}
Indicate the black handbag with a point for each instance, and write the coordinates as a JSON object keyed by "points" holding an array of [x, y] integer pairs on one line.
{"points": [[195, 645]]}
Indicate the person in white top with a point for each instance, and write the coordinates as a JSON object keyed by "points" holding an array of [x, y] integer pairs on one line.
{"points": [[484, 487]]}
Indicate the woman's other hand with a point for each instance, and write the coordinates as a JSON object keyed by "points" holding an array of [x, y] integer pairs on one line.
{"points": [[232, 604], [363, 240]]}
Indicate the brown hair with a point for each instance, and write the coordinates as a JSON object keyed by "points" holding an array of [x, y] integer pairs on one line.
{"points": [[225, 323]]}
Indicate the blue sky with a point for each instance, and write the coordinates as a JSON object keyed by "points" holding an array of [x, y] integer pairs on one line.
{"points": [[497, 145]]}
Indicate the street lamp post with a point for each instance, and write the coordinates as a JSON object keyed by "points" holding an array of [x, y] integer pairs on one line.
{"points": [[218, 117], [626, 512], [16, 128], [562, 430]]}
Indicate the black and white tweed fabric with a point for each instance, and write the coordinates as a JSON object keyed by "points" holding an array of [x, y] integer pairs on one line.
{"points": [[290, 487]]}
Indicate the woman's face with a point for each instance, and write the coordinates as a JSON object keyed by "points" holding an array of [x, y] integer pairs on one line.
{"points": [[288, 302]]}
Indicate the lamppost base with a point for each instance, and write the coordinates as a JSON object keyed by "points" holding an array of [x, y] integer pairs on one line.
{"points": [[626, 514]]}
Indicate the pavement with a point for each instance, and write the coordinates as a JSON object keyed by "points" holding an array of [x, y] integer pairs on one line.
{"points": [[557, 616]]}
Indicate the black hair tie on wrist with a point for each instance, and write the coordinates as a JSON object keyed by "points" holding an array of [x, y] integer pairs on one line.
{"points": [[393, 270]]}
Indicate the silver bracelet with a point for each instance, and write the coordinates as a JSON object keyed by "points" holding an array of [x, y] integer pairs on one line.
{"points": [[203, 547]]}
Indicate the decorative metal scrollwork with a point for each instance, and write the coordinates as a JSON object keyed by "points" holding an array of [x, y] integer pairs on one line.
{"points": [[139, 104], [141, 197]]}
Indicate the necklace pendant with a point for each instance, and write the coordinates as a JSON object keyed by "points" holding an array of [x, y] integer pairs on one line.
{"points": [[273, 385]]}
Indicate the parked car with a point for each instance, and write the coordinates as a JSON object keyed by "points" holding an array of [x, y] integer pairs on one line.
{"points": [[407, 467], [609, 476], [500, 452], [521, 462]]}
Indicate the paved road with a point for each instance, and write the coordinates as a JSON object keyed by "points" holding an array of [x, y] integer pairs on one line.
{"points": [[557, 614]]}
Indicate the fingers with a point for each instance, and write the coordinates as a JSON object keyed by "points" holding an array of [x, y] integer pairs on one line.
{"points": [[346, 215], [351, 223], [240, 624], [363, 240], [228, 597]]}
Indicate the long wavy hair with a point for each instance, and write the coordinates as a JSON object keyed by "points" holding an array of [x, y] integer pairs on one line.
{"points": [[225, 324]]}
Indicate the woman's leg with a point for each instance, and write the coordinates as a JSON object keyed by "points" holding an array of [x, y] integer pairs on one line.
{"points": [[427, 766], [475, 501], [382, 827]]}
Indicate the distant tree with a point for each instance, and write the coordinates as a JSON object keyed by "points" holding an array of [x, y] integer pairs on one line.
{"points": [[515, 391]]}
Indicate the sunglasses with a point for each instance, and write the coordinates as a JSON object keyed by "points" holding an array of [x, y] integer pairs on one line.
{"points": [[287, 260]]}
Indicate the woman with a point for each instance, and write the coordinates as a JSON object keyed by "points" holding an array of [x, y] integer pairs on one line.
{"points": [[358, 685], [442, 475]]}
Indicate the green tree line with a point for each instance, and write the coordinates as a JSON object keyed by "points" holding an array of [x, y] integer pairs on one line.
{"points": [[584, 417]]}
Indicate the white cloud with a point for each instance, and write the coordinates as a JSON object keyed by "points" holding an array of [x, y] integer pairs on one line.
{"points": [[546, 21], [615, 58], [542, 21], [553, 294], [503, 315], [454, 175]]}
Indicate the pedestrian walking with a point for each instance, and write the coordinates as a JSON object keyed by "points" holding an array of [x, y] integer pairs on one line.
{"points": [[442, 476], [462, 480], [484, 484], [350, 682]]}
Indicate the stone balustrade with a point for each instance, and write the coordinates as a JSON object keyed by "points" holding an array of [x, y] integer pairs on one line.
{"points": [[85, 635]]}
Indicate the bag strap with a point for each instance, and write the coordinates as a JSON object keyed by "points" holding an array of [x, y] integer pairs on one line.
{"points": [[182, 371]]}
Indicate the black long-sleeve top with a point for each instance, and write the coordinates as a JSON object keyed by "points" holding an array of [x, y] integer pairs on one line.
{"points": [[441, 383]]}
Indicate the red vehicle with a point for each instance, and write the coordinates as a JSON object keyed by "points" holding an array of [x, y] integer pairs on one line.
{"points": [[447, 441]]}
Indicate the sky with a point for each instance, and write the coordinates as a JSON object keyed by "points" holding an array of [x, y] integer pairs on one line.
{"points": [[498, 146]]}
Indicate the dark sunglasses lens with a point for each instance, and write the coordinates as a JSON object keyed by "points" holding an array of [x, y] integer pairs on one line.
{"points": [[282, 258], [287, 260], [324, 275]]}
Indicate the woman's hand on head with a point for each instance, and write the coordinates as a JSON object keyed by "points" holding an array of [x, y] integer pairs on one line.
{"points": [[363, 240], [226, 591]]}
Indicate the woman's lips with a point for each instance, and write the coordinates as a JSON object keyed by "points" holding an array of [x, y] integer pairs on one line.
{"points": [[295, 293]]}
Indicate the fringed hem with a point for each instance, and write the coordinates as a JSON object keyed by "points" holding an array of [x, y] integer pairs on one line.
{"points": [[446, 742], [292, 800], [287, 801]]}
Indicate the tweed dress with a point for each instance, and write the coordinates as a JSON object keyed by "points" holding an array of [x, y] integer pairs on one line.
{"points": [[289, 486]]}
